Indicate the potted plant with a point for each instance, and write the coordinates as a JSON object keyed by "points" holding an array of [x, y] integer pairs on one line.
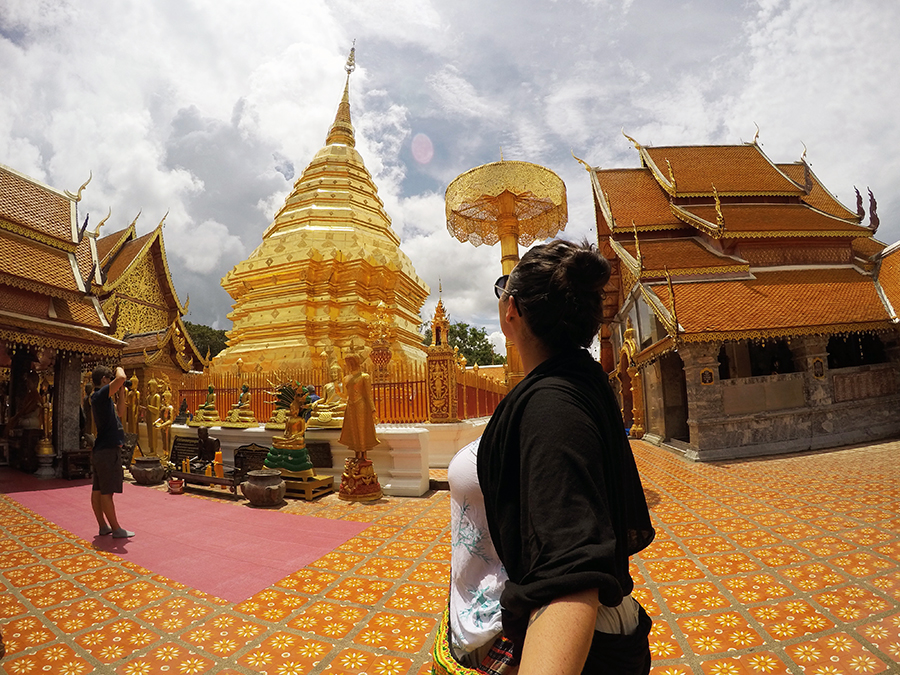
{"points": [[175, 485]]}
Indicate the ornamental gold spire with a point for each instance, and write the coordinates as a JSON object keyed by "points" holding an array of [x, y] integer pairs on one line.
{"points": [[341, 132]]}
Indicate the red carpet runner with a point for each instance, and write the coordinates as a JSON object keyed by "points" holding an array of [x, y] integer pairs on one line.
{"points": [[229, 551]]}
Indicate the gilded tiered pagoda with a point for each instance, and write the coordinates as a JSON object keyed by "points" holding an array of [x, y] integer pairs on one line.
{"points": [[750, 310], [324, 265]]}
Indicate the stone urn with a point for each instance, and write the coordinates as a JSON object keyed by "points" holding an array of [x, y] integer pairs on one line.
{"points": [[147, 471], [264, 487]]}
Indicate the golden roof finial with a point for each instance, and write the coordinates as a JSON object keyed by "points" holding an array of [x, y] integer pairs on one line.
{"points": [[162, 223], [586, 166], [102, 222], [440, 288], [637, 249], [756, 135], [351, 59], [803, 156], [77, 197], [672, 299], [341, 132], [137, 216], [671, 174], [720, 219], [636, 144]]}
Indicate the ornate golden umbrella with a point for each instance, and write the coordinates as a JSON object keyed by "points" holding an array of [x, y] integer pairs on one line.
{"points": [[510, 202]]}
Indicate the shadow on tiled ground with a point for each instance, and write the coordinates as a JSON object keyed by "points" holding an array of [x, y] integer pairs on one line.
{"points": [[787, 565]]}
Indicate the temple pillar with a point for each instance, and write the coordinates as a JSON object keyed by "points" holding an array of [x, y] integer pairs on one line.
{"points": [[811, 358], [701, 371], [66, 404]]}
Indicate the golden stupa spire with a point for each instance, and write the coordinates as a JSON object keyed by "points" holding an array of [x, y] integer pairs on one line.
{"points": [[341, 132]]}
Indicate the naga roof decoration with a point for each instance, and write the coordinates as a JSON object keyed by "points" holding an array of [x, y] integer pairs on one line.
{"points": [[818, 197]]}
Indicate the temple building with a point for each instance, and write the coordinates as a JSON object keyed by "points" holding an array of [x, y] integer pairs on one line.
{"points": [[51, 323], [749, 311], [137, 294], [326, 262]]}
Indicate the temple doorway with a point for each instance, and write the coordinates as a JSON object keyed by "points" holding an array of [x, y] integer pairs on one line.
{"points": [[674, 388]]}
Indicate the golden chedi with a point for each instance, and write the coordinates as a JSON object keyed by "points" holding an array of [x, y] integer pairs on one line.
{"points": [[326, 261]]}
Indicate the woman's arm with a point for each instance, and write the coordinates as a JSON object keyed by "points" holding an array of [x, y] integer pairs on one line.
{"points": [[559, 635]]}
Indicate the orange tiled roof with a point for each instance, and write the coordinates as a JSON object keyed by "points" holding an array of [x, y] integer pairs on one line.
{"points": [[733, 169], [22, 301], [866, 247], [889, 278], [783, 301], [26, 262], [681, 256], [105, 245], [126, 255], [819, 197], [635, 195], [770, 219], [33, 206], [53, 333], [80, 311]]}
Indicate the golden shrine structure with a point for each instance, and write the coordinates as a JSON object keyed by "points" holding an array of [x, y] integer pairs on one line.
{"points": [[749, 311], [326, 262]]}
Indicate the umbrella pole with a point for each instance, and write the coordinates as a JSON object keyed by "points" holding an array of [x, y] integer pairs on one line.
{"points": [[509, 258]]}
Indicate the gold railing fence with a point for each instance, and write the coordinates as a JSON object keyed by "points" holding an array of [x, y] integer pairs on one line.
{"points": [[401, 394]]}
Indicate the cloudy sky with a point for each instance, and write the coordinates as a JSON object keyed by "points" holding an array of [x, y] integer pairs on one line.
{"points": [[211, 109]]}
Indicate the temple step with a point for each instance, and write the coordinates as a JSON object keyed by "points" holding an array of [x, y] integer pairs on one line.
{"points": [[309, 488]]}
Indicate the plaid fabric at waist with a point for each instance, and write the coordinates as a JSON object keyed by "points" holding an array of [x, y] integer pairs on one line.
{"points": [[497, 661]]}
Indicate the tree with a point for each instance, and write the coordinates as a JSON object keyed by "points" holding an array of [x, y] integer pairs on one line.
{"points": [[472, 342], [206, 338]]}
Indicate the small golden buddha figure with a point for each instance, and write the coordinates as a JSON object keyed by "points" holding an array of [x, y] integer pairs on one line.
{"points": [[241, 415], [133, 407], [207, 414], [164, 422], [329, 410], [294, 436], [153, 403]]}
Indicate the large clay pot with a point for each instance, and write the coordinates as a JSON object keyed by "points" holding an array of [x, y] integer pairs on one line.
{"points": [[147, 471], [264, 487]]}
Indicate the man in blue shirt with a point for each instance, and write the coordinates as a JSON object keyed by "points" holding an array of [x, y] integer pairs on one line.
{"points": [[106, 457]]}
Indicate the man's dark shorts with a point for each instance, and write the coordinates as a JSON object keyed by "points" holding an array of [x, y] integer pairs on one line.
{"points": [[107, 465]]}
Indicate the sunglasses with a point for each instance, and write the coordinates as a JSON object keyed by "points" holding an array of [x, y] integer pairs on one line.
{"points": [[500, 286]]}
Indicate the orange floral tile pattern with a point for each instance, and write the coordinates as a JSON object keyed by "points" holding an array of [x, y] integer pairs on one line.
{"points": [[116, 640], [396, 632], [835, 654], [355, 661], [716, 633], [286, 654], [223, 635]]}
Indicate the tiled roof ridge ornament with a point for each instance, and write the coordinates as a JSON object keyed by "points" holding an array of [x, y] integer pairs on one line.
{"points": [[637, 145], [671, 175], [77, 197], [756, 135], [807, 173], [873, 212], [102, 222], [672, 299], [637, 249], [720, 219], [162, 223], [587, 167], [860, 211]]}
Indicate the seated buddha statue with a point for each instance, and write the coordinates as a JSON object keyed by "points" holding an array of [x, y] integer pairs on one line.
{"points": [[294, 437], [241, 413], [329, 410], [207, 413]]}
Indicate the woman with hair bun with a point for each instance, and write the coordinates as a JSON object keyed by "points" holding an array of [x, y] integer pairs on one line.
{"points": [[548, 506]]}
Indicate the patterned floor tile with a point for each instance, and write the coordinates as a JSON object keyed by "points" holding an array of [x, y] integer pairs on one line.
{"points": [[174, 614], [663, 643], [10, 606], [419, 598], [357, 661], [885, 635], [685, 530], [835, 523], [754, 538], [662, 549], [823, 547], [80, 615], [812, 577], [285, 654], [116, 640], [732, 563], [852, 603], [54, 593], [404, 549], [871, 515], [339, 561], [757, 588], [889, 583], [433, 572], [17, 558], [674, 570], [422, 534], [223, 635], [364, 545], [749, 664], [167, 659], [104, 578], [61, 550], [671, 670], [779, 556], [868, 536], [861, 564], [384, 568], [41, 539], [791, 619], [719, 632], [686, 598], [55, 660], [80, 563], [308, 581], [834, 654], [30, 575], [328, 620], [440, 552], [359, 590], [136, 595], [25, 633], [396, 632], [270, 605]]}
